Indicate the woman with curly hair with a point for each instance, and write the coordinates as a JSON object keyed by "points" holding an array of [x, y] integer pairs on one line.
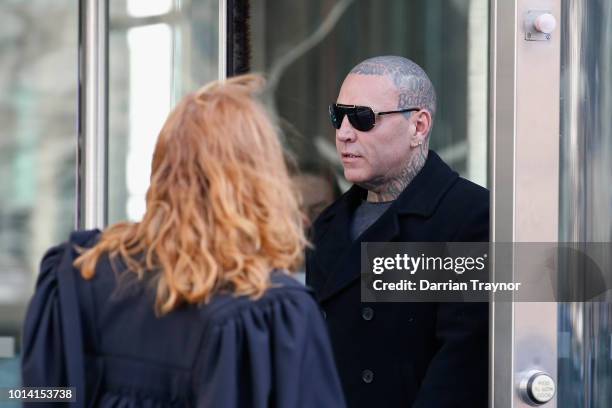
{"points": [[193, 305]]}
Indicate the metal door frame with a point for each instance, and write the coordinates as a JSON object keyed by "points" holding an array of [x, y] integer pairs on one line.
{"points": [[524, 166], [92, 118]]}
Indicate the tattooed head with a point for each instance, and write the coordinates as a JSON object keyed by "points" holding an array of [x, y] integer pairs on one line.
{"points": [[414, 86], [387, 157]]}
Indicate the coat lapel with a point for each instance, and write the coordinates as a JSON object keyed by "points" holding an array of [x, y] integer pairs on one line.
{"points": [[341, 263]]}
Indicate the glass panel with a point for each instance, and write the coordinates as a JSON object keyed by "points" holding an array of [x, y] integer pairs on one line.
{"points": [[307, 47], [336, 35], [585, 329], [159, 51], [38, 99]]}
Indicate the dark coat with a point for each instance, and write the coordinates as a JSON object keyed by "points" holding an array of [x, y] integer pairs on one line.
{"points": [[232, 352], [404, 354]]}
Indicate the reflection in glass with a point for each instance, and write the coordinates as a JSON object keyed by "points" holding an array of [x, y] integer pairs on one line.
{"points": [[158, 51], [307, 47], [38, 100], [146, 8], [585, 329], [150, 84]]}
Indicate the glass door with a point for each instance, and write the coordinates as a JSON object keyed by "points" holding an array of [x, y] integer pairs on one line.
{"points": [[158, 52], [306, 48]]}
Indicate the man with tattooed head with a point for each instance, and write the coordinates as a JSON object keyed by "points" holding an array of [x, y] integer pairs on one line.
{"points": [[397, 354]]}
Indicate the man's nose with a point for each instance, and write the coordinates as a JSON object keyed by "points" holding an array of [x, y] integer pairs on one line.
{"points": [[346, 133]]}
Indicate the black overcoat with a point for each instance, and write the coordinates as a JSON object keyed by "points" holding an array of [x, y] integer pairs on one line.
{"points": [[105, 340], [404, 354]]}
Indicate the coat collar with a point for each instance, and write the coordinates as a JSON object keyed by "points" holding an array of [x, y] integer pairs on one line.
{"points": [[338, 258]]}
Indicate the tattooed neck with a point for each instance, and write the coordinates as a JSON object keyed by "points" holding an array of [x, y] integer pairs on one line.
{"points": [[389, 190]]}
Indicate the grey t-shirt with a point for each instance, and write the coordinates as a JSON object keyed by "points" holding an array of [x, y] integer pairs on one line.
{"points": [[365, 215]]}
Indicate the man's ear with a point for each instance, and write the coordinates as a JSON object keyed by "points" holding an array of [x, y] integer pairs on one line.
{"points": [[421, 120]]}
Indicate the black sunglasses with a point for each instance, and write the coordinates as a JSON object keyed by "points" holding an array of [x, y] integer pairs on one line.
{"points": [[362, 118]]}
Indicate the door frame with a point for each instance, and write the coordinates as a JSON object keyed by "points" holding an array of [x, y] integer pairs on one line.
{"points": [[524, 165]]}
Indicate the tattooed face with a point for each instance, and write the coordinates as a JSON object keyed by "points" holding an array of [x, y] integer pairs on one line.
{"points": [[372, 159]]}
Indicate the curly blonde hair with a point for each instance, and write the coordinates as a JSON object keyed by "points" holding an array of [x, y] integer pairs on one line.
{"points": [[220, 211]]}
